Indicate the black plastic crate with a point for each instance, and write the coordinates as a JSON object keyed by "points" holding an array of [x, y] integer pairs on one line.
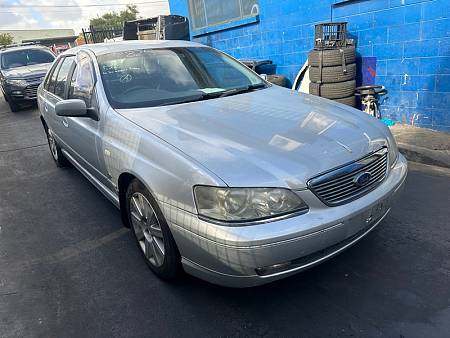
{"points": [[330, 35]]}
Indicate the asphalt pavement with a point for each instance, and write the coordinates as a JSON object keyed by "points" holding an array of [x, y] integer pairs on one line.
{"points": [[69, 269]]}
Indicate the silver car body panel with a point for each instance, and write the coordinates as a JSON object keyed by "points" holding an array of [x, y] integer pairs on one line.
{"points": [[279, 136], [229, 255], [272, 137]]}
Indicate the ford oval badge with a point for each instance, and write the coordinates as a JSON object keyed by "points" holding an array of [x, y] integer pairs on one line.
{"points": [[362, 179]]}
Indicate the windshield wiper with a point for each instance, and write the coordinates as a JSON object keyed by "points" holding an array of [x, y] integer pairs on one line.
{"points": [[213, 95], [233, 91]]}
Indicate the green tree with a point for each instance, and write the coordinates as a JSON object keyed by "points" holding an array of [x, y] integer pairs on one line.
{"points": [[6, 39], [115, 19]]}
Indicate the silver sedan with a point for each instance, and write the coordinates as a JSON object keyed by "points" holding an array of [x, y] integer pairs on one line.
{"points": [[217, 172]]}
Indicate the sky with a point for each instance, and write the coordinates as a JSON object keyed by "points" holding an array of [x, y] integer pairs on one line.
{"points": [[26, 14]]}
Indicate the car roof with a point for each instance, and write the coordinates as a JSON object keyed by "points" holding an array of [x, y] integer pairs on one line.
{"points": [[123, 46]]}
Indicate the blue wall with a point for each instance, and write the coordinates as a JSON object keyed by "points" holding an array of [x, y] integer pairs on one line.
{"points": [[409, 38]]}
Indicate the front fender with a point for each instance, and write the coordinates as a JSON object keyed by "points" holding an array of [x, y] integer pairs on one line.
{"points": [[166, 171]]}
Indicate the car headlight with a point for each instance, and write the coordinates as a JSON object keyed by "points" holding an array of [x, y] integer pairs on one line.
{"points": [[16, 82], [246, 204]]}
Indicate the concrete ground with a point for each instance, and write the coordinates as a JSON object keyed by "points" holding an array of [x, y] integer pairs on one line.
{"points": [[69, 269], [423, 145]]}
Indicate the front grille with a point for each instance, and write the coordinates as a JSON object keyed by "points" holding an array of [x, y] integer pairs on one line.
{"points": [[31, 90], [35, 79], [345, 184]]}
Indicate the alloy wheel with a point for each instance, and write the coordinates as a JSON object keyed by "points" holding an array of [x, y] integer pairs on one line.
{"points": [[53, 145], [147, 229]]}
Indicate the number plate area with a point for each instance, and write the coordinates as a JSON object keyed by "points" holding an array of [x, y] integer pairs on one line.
{"points": [[377, 211]]}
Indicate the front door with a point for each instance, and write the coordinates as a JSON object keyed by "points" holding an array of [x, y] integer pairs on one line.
{"points": [[82, 133]]}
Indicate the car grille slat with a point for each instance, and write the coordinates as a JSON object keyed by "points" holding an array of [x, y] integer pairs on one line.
{"points": [[350, 186], [346, 178], [347, 182], [345, 194], [31, 90], [34, 79], [339, 186]]}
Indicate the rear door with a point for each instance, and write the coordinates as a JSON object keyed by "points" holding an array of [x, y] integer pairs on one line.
{"points": [[49, 98]]}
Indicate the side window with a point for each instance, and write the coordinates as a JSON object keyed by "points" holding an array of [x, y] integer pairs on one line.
{"points": [[51, 80], [82, 82], [61, 80]]}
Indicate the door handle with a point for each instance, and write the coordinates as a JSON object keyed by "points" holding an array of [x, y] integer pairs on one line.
{"points": [[65, 123], [46, 107]]}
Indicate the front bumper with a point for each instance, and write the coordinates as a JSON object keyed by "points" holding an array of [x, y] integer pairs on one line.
{"points": [[258, 254], [22, 93]]}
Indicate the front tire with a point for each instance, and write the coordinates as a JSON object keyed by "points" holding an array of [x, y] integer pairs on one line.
{"points": [[13, 105], [151, 232], [55, 150]]}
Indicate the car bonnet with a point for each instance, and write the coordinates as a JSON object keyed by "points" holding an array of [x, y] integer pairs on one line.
{"points": [[269, 137]]}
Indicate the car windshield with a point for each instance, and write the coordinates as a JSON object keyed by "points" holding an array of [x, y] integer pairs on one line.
{"points": [[26, 57], [155, 77]]}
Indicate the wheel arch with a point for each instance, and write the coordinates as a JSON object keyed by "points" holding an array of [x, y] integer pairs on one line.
{"points": [[123, 182], [44, 124]]}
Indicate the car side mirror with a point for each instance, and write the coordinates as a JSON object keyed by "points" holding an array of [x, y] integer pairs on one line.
{"points": [[263, 76], [75, 108]]}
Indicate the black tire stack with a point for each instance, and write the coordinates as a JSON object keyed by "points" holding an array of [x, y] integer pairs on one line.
{"points": [[332, 73]]}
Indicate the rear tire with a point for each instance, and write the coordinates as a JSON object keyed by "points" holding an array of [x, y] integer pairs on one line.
{"points": [[152, 233]]}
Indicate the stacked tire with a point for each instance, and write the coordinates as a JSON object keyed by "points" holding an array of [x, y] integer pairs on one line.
{"points": [[332, 73], [278, 80]]}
